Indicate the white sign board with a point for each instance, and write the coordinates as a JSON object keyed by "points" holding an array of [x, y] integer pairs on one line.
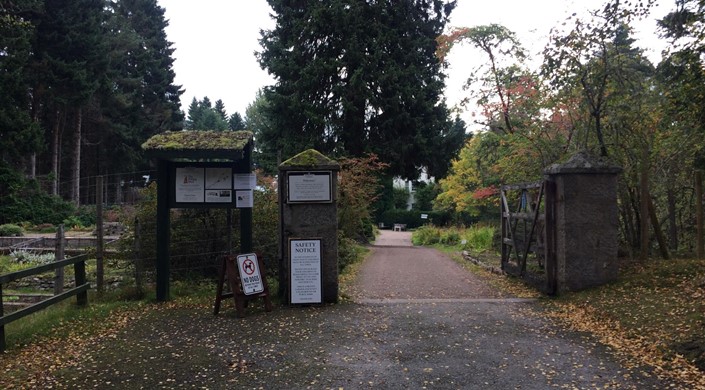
{"points": [[309, 187], [245, 181], [190, 185], [219, 178], [244, 199], [250, 276], [219, 196], [305, 270], [424, 216]]}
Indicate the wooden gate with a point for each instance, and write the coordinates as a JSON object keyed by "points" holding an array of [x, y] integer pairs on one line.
{"points": [[528, 233]]}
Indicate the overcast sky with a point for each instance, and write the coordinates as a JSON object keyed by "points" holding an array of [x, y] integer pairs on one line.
{"points": [[215, 41]]}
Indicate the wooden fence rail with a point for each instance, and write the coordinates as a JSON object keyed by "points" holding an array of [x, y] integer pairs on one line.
{"points": [[80, 290]]}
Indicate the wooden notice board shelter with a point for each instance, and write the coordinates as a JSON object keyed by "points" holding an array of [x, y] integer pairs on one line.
{"points": [[200, 169]]}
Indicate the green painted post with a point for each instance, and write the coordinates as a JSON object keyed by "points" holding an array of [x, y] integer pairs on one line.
{"points": [[163, 229], [246, 214]]}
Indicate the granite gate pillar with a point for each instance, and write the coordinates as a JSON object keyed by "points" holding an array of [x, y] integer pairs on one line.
{"points": [[586, 222], [308, 228]]}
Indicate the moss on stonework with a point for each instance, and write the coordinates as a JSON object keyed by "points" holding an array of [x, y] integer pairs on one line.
{"points": [[309, 158], [198, 140]]}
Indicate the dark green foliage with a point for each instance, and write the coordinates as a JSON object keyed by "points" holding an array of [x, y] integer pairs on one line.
{"points": [[356, 78], [349, 251], [401, 197], [11, 230], [425, 194], [235, 122], [19, 135], [201, 116], [23, 200]]}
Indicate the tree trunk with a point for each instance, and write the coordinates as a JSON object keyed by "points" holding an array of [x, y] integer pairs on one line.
{"points": [[644, 205], [699, 214], [55, 148], [76, 159], [672, 218], [663, 247], [628, 221]]}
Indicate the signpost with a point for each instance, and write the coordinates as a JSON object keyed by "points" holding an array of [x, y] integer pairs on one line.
{"points": [[250, 276], [305, 276]]}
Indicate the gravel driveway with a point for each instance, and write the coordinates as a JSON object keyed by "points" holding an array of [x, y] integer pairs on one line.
{"points": [[418, 321]]}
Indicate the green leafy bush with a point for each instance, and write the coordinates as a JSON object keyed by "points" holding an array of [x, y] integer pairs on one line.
{"points": [[450, 237], [11, 230], [23, 199], [479, 238], [426, 235]]}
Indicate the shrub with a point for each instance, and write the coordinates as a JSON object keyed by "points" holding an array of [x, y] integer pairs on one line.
{"points": [[450, 237], [23, 257], [426, 235], [358, 184], [22, 199], [11, 230], [479, 238]]}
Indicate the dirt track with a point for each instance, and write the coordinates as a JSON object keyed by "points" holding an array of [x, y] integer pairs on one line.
{"points": [[420, 321]]}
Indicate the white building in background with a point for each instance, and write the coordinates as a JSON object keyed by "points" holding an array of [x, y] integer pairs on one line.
{"points": [[409, 186]]}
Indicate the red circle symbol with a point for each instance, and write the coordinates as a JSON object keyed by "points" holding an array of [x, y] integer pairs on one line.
{"points": [[248, 266]]}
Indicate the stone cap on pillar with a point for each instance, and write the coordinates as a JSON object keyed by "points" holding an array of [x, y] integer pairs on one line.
{"points": [[583, 163], [310, 159]]}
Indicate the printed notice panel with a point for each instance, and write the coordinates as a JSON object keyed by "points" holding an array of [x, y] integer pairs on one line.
{"points": [[219, 178], [190, 185], [245, 181], [311, 187], [250, 276], [219, 196], [305, 269]]}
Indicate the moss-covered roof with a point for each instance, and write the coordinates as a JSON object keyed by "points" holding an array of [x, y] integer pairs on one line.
{"points": [[198, 144], [310, 158]]}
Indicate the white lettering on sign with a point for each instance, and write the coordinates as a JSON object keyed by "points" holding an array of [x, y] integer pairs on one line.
{"points": [[250, 276], [305, 256]]}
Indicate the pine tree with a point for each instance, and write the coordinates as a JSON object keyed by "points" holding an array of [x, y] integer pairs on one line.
{"points": [[236, 122], [356, 78]]}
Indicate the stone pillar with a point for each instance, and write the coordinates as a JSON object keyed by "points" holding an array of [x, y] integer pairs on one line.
{"points": [[308, 211], [586, 222]]}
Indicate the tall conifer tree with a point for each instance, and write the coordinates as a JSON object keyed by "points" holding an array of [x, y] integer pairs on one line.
{"points": [[357, 77]]}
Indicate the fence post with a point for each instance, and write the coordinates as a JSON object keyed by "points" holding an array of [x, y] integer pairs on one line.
{"points": [[58, 256], [99, 233], [79, 270], [138, 255], [2, 326]]}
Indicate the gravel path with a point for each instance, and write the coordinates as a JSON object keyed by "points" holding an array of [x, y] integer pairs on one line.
{"points": [[419, 322]]}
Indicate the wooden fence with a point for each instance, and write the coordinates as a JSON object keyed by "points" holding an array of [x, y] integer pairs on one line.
{"points": [[80, 290]]}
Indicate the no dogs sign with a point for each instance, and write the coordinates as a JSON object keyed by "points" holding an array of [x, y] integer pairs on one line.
{"points": [[249, 274]]}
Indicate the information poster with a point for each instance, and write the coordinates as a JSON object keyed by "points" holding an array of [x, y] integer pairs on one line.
{"points": [[250, 275], [244, 199], [309, 187], [245, 181], [219, 196], [305, 270], [190, 185], [219, 179]]}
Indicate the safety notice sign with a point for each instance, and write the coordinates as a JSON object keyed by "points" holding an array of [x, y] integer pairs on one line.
{"points": [[250, 274]]}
